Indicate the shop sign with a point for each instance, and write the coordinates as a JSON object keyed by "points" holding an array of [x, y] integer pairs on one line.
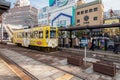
{"points": [[58, 3], [61, 3]]}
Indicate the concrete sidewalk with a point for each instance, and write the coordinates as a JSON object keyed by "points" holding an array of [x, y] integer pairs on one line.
{"points": [[36, 68]]}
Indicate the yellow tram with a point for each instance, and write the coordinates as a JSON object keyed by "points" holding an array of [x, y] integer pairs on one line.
{"points": [[41, 37]]}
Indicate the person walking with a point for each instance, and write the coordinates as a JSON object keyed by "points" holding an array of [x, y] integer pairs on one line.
{"points": [[77, 42]]}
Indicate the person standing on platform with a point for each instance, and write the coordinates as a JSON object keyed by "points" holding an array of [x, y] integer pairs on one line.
{"points": [[105, 44], [67, 42], [61, 42], [93, 45], [77, 42]]}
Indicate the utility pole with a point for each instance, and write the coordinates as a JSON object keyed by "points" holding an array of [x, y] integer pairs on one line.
{"points": [[1, 31], [2, 28]]}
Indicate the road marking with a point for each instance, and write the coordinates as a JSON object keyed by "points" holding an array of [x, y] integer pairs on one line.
{"points": [[65, 77]]}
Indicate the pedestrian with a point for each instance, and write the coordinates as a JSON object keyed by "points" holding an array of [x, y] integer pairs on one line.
{"points": [[77, 42], [106, 44], [90, 44], [61, 42], [67, 40], [93, 45]]}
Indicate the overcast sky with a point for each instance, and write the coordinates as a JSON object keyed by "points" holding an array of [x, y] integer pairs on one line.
{"points": [[108, 4]]}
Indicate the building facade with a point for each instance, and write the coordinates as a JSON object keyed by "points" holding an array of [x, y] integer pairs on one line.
{"points": [[22, 14], [26, 16], [43, 16], [89, 13], [62, 12], [112, 31]]}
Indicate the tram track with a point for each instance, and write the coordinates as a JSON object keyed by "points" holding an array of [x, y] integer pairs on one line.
{"points": [[103, 57], [108, 57]]}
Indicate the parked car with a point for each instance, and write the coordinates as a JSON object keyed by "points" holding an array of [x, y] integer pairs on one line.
{"points": [[100, 42], [110, 44], [116, 47]]}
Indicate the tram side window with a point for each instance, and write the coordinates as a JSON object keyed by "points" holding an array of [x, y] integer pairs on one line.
{"points": [[19, 35], [16, 35], [40, 34], [31, 34], [36, 34], [52, 34], [23, 35], [47, 34], [26, 34]]}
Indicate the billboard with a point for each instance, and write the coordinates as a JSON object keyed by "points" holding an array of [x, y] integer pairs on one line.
{"points": [[58, 3]]}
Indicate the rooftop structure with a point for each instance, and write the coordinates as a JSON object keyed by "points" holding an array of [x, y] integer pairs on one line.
{"points": [[20, 3]]}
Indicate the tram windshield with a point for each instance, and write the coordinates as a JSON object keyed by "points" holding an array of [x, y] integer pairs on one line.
{"points": [[52, 34]]}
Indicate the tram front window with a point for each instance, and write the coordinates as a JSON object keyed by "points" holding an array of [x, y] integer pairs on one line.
{"points": [[52, 34]]}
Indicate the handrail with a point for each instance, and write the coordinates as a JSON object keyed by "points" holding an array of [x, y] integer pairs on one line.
{"points": [[8, 30]]}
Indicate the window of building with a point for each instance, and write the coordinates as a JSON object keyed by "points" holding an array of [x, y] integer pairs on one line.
{"points": [[96, 9], [45, 15], [86, 11], [78, 21], [82, 12], [45, 22], [78, 13], [95, 18], [90, 10], [44, 9]]}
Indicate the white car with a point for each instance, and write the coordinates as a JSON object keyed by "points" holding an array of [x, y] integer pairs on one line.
{"points": [[110, 43]]}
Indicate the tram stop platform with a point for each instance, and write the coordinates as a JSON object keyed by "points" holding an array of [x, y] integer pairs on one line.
{"points": [[58, 70]]}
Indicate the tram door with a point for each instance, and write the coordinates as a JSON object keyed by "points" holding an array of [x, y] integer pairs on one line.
{"points": [[26, 39]]}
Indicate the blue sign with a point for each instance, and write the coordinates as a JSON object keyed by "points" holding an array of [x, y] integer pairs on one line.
{"points": [[84, 42], [52, 2], [59, 3]]}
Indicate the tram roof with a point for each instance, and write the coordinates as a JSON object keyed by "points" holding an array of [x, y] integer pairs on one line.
{"points": [[89, 27]]}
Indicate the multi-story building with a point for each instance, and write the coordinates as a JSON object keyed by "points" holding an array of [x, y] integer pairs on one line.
{"points": [[25, 15], [62, 12], [43, 16], [112, 31], [4, 6], [89, 13]]}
